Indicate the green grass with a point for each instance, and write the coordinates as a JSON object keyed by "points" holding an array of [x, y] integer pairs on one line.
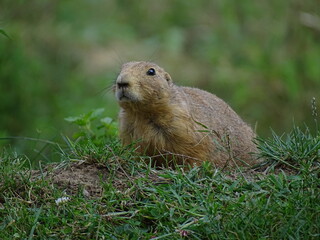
{"points": [[298, 150], [137, 201]]}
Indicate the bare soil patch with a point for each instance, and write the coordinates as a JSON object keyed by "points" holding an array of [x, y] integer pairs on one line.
{"points": [[75, 177], [88, 178]]}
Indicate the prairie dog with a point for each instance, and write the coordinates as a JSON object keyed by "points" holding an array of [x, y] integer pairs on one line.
{"points": [[174, 123]]}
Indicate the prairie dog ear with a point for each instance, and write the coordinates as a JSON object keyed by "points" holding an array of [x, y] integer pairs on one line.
{"points": [[168, 78]]}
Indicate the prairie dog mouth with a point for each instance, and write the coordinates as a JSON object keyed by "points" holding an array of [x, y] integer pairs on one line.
{"points": [[124, 98], [124, 95]]}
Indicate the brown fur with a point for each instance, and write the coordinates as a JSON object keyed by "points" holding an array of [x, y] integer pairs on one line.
{"points": [[185, 124]]}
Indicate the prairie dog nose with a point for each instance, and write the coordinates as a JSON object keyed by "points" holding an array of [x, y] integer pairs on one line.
{"points": [[122, 84], [123, 81]]}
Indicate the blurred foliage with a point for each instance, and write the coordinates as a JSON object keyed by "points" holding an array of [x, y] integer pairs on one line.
{"points": [[260, 57]]}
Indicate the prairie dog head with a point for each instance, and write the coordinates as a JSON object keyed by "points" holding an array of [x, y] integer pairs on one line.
{"points": [[142, 82]]}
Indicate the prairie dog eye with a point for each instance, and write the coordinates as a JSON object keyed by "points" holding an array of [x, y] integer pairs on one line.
{"points": [[151, 72]]}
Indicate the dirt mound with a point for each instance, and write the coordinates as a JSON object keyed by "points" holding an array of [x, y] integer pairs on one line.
{"points": [[75, 177], [88, 178], [81, 176]]}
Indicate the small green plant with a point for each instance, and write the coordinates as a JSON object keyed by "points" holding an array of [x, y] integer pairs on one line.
{"points": [[96, 141], [93, 129]]}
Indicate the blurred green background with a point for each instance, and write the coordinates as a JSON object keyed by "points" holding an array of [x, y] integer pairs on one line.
{"points": [[262, 57]]}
